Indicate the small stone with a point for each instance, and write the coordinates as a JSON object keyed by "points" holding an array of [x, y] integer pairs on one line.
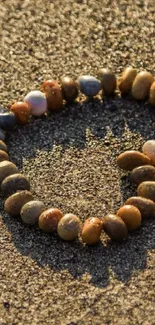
{"points": [[152, 94], [3, 155], [2, 135], [15, 202], [48, 220], [7, 168], [115, 227], [69, 227], [126, 80], [48, 85], [141, 85], [131, 159], [54, 98], [108, 81], [91, 231], [145, 206], [147, 190], [131, 216], [143, 173], [31, 211], [21, 111], [3, 146], [37, 102], [89, 85], [69, 89], [7, 121], [149, 150], [14, 183]]}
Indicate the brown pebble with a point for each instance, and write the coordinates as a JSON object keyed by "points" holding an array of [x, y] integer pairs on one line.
{"points": [[141, 85], [15, 202], [31, 211], [69, 89], [69, 227], [152, 94], [147, 190], [3, 146], [3, 155], [131, 216], [48, 220], [145, 206], [7, 168], [48, 85], [91, 231], [108, 81], [54, 98], [143, 173], [115, 227], [131, 159], [14, 183], [126, 80]]}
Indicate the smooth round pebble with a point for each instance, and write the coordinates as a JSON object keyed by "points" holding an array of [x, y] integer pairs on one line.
{"points": [[14, 183], [21, 111], [115, 227], [141, 85], [3, 155], [147, 190], [108, 81], [15, 202], [89, 85], [48, 85], [131, 216], [126, 80], [2, 135], [31, 211], [149, 150], [37, 102], [91, 231], [145, 206], [7, 168], [69, 89], [152, 94], [54, 98], [143, 173], [7, 121], [69, 227], [3, 146], [131, 159], [48, 220]]}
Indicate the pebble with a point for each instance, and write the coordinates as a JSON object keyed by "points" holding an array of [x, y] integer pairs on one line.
{"points": [[91, 231], [31, 211], [149, 150], [3, 146], [143, 173], [69, 227], [7, 121], [126, 80], [54, 98], [89, 85], [152, 94], [145, 206], [3, 155], [147, 190], [7, 168], [15, 202], [131, 159], [21, 111], [48, 220], [37, 102], [141, 85], [131, 216], [14, 183], [115, 227], [48, 85], [2, 135], [69, 89], [108, 81]]}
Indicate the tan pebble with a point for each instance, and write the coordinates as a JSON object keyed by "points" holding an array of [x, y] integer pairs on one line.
{"points": [[143, 173], [31, 211], [126, 80], [108, 81], [141, 85], [69, 227], [7, 168], [149, 150], [15, 202], [152, 94], [147, 190], [131, 216], [145, 206], [115, 227], [14, 183], [91, 231], [131, 159], [3, 155], [3, 146], [48, 220]]}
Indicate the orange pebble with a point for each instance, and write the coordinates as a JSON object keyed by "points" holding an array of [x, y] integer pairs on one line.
{"points": [[131, 216], [48, 84], [21, 111], [54, 98], [49, 219]]}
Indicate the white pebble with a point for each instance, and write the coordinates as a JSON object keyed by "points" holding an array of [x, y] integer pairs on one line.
{"points": [[37, 102]]}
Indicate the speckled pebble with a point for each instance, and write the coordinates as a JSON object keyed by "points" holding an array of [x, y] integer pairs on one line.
{"points": [[21, 111], [37, 102], [15, 202], [69, 227], [14, 183], [31, 211], [89, 85], [7, 168], [131, 159], [145, 206], [91, 231], [143, 173], [48, 220], [147, 190]]}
